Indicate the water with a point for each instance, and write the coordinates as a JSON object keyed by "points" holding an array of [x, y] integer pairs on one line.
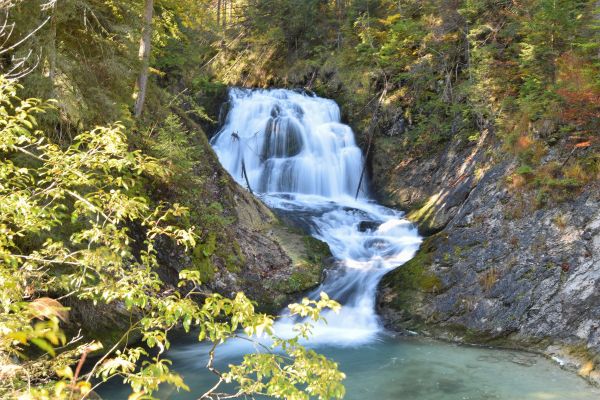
{"points": [[294, 151], [301, 161], [407, 369], [289, 142]]}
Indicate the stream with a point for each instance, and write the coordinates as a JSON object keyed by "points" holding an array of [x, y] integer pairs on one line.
{"points": [[292, 149]]}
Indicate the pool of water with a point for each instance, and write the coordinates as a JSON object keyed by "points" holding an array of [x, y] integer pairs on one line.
{"points": [[407, 369]]}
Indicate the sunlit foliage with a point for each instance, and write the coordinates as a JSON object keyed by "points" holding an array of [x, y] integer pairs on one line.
{"points": [[75, 224]]}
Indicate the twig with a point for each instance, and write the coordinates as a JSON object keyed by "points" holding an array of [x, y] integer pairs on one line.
{"points": [[46, 261], [109, 352], [78, 368], [245, 175], [33, 32], [210, 366], [91, 206], [371, 131], [12, 75]]}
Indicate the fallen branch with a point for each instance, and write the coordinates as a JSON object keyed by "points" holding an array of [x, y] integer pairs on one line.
{"points": [[245, 175], [370, 132]]}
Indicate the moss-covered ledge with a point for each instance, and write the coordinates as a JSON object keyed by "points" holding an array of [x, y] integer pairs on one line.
{"points": [[403, 290], [309, 257]]}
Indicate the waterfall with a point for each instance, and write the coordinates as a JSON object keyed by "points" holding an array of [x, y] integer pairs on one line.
{"points": [[289, 142], [304, 163]]}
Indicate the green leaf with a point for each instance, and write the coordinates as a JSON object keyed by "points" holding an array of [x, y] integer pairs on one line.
{"points": [[44, 345]]}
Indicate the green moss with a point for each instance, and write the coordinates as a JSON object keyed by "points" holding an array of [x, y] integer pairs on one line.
{"points": [[308, 268], [525, 170], [414, 278], [424, 213], [430, 283], [235, 261], [458, 251], [201, 258], [299, 281], [316, 251], [447, 258], [425, 216], [309, 257]]}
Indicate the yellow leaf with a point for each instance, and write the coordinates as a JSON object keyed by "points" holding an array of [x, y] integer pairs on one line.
{"points": [[45, 307], [65, 372]]}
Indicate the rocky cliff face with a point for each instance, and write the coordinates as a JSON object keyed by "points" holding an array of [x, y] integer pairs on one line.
{"points": [[434, 187], [497, 268]]}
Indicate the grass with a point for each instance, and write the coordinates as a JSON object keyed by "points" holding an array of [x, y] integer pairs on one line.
{"points": [[489, 278], [553, 181]]}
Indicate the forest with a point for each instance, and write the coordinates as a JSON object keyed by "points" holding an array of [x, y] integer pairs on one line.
{"points": [[119, 229]]}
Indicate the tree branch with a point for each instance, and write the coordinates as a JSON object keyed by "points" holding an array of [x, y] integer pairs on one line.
{"points": [[20, 42]]}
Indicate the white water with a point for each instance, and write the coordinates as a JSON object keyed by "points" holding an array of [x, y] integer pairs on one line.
{"points": [[290, 142], [386, 368], [306, 164]]}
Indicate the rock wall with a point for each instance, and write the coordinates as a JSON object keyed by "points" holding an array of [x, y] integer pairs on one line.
{"points": [[431, 188], [496, 268]]}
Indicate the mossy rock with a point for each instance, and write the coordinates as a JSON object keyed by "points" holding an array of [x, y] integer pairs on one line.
{"points": [[413, 280], [105, 323], [317, 251], [201, 258], [428, 216], [308, 267], [309, 258]]}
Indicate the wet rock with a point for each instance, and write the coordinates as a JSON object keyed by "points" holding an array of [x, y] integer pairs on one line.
{"points": [[275, 111], [283, 139], [223, 111], [364, 226]]}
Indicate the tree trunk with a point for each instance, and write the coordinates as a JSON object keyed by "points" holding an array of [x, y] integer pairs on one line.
{"points": [[144, 55], [218, 12], [597, 17], [52, 52], [224, 13]]}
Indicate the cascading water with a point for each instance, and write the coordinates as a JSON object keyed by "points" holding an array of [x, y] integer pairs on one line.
{"points": [[305, 165], [289, 142], [292, 149]]}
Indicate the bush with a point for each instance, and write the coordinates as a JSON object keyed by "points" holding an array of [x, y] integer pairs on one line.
{"points": [[92, 190]]}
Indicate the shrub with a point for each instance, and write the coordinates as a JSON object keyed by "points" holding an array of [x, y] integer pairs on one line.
{"points": [[92, 190]]}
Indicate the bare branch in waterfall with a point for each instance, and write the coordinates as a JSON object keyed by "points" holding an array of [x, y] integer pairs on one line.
{"points": [[370, 132], [245, 175]]}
